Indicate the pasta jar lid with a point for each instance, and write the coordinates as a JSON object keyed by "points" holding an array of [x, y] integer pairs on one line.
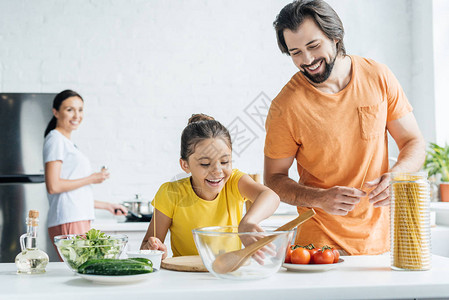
{"points": [[408, 176]]}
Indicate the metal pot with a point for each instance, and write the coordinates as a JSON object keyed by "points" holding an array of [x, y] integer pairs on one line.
{"points": [[138, 209]]}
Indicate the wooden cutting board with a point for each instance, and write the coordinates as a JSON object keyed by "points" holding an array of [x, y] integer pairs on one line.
{"points": [[184, 264]]}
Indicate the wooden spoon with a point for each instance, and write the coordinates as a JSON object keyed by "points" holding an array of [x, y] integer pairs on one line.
{"points": [[231, 261]]}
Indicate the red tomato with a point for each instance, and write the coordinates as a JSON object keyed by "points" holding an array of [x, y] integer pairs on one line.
{"points": [[312, 252], [288, 255], [336, 255], [300, 256], [323, 257]]}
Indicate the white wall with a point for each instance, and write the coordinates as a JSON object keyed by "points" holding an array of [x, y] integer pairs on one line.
{"points": [[441, 62], [143, 67]]}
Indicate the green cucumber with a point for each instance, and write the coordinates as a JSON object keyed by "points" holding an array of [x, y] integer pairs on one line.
{"points": [[88, 263], [115, 267], [142, 259]]}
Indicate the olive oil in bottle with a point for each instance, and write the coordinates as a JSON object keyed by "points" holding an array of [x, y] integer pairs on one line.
{"points": [[31, 260]]}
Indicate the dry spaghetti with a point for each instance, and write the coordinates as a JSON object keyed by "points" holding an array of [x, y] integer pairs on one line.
{"points": [[410, 221]]}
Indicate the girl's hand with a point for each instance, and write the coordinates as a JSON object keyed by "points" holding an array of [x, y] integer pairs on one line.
{"points": [[259, 256], [153, 243], [249, 227]]}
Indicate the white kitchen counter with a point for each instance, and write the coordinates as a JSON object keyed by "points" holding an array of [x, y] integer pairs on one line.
{"points": [[108, 225], [360, 277], [113, 224]]}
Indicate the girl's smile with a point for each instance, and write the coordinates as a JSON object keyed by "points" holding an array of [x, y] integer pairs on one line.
{"points": [[215, 182], [210, 166]]}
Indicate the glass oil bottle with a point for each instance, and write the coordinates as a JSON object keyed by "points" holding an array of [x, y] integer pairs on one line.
{"points": [[31, 260]]}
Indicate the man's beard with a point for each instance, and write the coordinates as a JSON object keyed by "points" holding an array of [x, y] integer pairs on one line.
{"points": [[321, 77]]}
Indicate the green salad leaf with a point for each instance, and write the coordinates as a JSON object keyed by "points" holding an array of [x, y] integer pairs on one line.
{"points": [[93, 245]]}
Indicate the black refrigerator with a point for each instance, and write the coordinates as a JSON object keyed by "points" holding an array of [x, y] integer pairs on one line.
{"points": [[23, 119]]}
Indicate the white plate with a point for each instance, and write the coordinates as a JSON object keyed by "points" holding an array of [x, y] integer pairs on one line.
{"points": [[313, 267], [114, 279]]}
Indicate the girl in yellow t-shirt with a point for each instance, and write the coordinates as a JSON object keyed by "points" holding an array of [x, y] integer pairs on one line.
{"points": [[212, 196]]}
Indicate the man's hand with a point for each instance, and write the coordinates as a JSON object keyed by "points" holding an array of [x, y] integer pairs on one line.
{"points": [[380, 193], [339, 200]]}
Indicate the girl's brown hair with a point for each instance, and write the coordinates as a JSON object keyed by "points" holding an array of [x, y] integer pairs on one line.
{"points": [[199, 128]]}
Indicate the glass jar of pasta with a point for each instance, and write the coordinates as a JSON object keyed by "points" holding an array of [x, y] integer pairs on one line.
{"points": [[410, 221]]}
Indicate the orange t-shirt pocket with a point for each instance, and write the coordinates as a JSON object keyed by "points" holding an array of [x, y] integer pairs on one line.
{"points": [[372, 120]]}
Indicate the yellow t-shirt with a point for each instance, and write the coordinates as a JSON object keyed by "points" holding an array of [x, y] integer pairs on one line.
{"points": [[178, 201], [335, 138]]}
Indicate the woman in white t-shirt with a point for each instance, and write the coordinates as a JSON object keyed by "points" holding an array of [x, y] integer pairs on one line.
{"points": [[68, 175]]}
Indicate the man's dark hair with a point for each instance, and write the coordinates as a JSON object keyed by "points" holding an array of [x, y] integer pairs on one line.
{"points": [[293, 14]]}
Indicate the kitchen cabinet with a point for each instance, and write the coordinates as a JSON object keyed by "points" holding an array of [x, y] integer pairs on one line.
{"points": [[440, 238], [359, 277], [441, 209], [440, 232]]}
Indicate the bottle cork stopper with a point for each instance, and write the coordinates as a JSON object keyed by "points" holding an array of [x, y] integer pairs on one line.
{"points": [[33, 214]]}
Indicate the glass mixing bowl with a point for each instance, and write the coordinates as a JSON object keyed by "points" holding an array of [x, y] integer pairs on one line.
{"points": [[214, 241], [75, 249]]}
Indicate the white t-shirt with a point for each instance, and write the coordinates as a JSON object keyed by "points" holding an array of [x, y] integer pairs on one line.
{"points": [[75, 205]]}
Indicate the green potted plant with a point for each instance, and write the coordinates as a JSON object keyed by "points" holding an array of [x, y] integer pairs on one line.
{"points": [[437, 164]]}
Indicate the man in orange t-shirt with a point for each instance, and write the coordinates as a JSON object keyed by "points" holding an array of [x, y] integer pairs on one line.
{"points": [[333, 117]]}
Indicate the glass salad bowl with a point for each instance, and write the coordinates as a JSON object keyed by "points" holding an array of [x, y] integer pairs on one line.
{"points": [[212, 242], [75, 249]]}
